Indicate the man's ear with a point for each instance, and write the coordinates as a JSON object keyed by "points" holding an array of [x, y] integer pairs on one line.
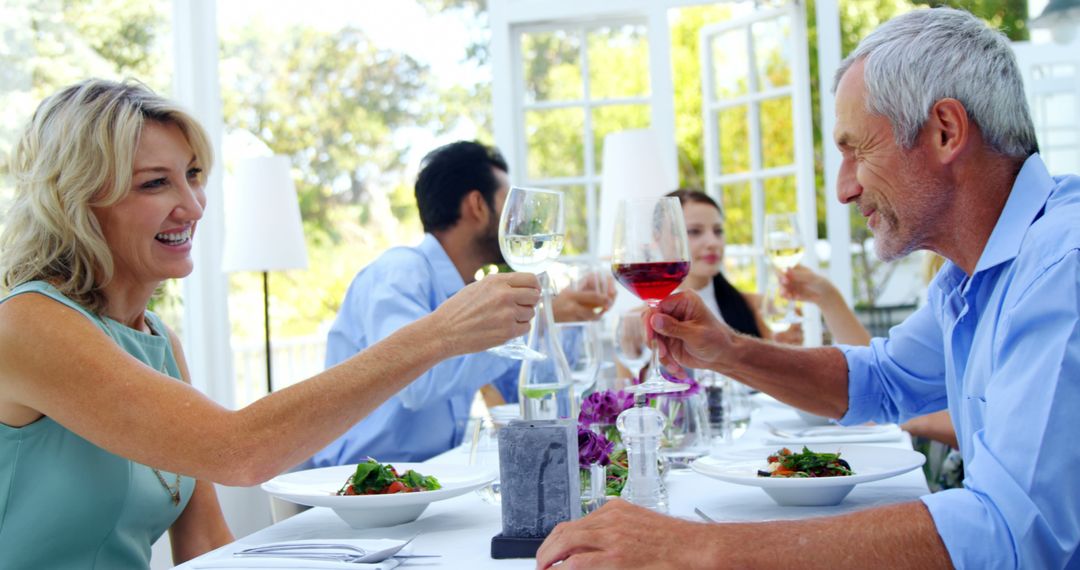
{"points": [[948, 129], [474, 208]]}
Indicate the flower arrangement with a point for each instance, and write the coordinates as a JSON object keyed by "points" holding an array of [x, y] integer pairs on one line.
{"points": [[603, 445]]}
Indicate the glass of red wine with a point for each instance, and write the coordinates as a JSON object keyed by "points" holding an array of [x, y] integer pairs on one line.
{"points": [[651, 258]]}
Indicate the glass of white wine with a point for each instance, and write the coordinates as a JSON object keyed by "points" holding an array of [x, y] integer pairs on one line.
{"points": [[531, 231], [784, 248]]}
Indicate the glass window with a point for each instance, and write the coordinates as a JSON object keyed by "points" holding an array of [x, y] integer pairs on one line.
{"points": [[778, 146], [577, 236], [772, 48], [551, 63], [734, 131], [618, 48], [555, 143]]}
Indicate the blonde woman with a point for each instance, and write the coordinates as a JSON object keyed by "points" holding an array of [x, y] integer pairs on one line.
{"points": [[104, 445]]}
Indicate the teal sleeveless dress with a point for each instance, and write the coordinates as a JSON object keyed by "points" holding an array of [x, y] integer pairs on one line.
{"points": [[66, 503]]}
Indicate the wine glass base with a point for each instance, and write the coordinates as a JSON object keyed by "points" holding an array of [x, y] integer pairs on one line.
{"points": [[517, 352], [659, 387]]}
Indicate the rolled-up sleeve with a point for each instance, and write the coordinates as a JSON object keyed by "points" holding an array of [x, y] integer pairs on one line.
{"points": [[898, 377]]}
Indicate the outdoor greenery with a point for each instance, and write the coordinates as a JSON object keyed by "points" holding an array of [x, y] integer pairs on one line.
{"points": [[342, 109]]}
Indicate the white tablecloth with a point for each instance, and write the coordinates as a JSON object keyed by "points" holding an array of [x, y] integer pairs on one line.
{"points": [[460, 529]]}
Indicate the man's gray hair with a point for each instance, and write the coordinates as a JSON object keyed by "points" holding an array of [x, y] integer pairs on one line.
{"points": [[919, 58]]}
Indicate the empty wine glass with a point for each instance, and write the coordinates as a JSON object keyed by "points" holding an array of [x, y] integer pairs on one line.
{"points": [[651, 258], [784, 248], [531, 231], [484, 455], [582, 345]]}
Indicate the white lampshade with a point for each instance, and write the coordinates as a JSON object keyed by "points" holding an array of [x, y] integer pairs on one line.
{"points": [[635, 165], [262, 218]]}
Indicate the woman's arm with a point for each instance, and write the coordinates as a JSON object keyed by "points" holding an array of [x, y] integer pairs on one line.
{"points": [[201, 527], [803, 284], [108, 397]]}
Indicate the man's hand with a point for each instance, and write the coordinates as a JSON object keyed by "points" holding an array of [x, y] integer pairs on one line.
{"points": [[621, 535], [688, 334]]}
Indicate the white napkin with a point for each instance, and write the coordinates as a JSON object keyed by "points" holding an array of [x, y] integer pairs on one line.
{"points": [[840, 434]]}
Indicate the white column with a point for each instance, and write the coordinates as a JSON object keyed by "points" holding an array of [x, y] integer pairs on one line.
{"points": [[837, 215], [206, 314]]}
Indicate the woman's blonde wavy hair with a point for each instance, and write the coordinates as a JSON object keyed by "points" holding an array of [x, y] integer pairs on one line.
{"points": [[78, 152]]}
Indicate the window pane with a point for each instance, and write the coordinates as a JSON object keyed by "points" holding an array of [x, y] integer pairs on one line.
{"points": [[618, 62], [551, 64], [772, 52], [555, 143], [777, 122], [730, 64], [614, 118], [780, 194], [577, 225], [738, 224], [734, 140]]}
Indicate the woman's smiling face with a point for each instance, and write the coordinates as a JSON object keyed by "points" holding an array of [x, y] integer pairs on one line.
{"points": [[149, 230]]}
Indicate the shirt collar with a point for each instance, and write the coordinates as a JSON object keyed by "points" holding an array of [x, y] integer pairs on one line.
{"points": [[446, 272], [1029, 194]]}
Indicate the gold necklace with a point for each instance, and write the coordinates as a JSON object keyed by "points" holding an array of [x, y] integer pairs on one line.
{"points": [[174, 493]]}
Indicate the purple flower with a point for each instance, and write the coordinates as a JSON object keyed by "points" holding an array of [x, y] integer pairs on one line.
{"points": [[593, 448], [695, 386], [604, 407]]}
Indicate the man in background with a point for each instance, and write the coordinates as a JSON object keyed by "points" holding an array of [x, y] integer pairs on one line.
{"points": [[459, 192]]}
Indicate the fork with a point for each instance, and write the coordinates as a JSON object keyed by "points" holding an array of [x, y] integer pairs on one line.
{"points": [[307, 546]]}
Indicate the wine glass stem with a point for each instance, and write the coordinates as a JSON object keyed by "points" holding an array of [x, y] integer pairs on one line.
{"points": [[654, 358]]}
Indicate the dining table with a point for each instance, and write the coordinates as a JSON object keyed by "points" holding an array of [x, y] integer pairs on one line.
{"points": [[457, 532]]}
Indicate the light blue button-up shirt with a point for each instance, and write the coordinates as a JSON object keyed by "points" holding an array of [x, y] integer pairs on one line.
{"points": [[1001, 349], [428, 416]]}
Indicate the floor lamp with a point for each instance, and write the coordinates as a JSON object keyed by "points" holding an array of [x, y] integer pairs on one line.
{"points": [[262, 227]]}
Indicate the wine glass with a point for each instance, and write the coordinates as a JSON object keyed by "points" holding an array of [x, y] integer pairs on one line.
{"points": [[531, 231], [651, 258], [776, 309], [631, 346], [784, 247], [581, 342]]}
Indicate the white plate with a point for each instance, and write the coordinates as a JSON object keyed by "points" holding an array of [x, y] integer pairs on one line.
{"points": [[870, 463], [318, 488]]}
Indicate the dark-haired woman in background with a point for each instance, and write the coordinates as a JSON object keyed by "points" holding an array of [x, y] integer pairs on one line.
{"points": [[705, 228]]}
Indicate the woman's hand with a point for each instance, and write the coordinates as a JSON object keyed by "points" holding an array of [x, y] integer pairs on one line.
{"points": [[803, 284], [486, 313]]}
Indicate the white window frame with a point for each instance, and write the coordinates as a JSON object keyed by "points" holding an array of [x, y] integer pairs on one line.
{"points": [[510, 19], [802, 165]]}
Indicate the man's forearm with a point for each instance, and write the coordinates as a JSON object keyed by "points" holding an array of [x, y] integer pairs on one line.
{"points": [[896, 536], [814, 379]]}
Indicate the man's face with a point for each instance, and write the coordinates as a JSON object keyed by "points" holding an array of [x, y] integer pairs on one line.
{"points": [[487, 242], [893, 188]]}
